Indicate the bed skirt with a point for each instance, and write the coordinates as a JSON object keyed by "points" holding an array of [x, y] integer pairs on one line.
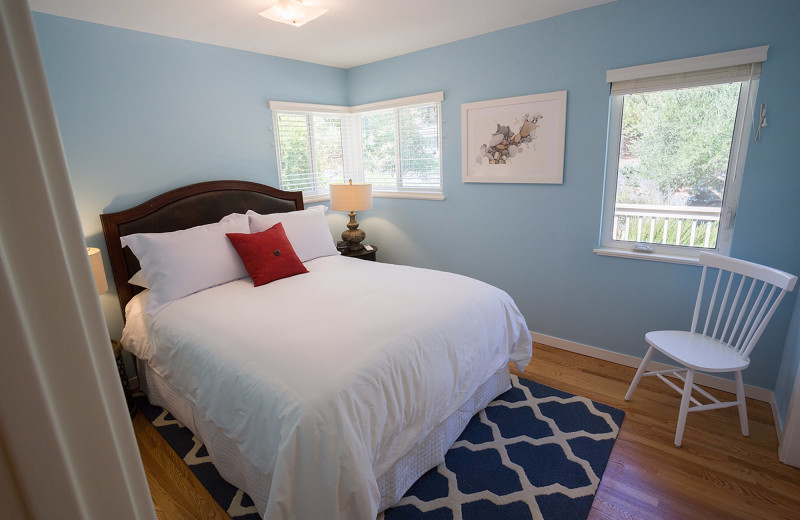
{"points": [[237, 470]]}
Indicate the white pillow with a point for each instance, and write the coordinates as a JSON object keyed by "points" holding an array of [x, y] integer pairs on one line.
{"points": [[307, 230], [139, 279], [137, 323], [180, 263]]}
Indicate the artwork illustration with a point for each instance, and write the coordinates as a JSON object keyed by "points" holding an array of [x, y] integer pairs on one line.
{"points": [[514, 140]]}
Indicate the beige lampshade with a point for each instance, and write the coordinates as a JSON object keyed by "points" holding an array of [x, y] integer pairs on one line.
{"points": [[97, 269], [351, 197]]}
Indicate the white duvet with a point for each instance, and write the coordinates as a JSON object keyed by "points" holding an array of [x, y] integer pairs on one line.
{"points": [[324, 380]]}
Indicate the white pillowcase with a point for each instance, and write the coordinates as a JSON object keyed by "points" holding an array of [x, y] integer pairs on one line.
{"points": [[307, 230], [139, 279], [179, 263], [137, 323]]}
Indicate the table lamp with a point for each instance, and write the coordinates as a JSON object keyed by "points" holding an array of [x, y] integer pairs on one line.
{"points": [[97, 270], [100, 282], [352, 197]]}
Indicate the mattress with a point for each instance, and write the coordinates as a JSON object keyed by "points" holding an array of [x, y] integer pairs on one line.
{"points": [[323, 383]]}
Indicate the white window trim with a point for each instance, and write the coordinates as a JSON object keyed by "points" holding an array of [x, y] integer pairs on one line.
{"points": [[420, 195], [739, 144], [357, 110], [310, 199], [289, 106], [653, 257], [697, 63], [422, 99]]}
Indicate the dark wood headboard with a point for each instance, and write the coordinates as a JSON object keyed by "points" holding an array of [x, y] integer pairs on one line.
{"points": [[182, 208]]}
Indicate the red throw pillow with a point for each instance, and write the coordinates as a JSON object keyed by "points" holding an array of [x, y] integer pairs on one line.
{"points": [[268, 255]]}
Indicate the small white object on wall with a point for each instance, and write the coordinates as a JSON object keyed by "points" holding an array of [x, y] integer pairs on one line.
{"points": [[762, 121]]}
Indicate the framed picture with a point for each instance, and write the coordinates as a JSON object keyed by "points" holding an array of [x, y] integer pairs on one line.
{"points": [[514, 140]]}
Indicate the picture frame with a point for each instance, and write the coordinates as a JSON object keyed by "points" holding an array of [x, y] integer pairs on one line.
{"points": [[514, 140]]}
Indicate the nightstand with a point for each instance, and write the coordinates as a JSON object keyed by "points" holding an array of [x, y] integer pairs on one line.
{"points": [[361, 253], [123, 376]]}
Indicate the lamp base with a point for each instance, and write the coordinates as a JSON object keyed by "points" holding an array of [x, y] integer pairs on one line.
{"points": [[353, 236]]}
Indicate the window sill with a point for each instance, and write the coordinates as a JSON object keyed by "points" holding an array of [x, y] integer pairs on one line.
{"points": [[313, 199], [407, 195], [653, 257]]}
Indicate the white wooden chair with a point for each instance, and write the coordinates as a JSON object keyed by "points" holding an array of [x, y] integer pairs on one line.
{"points": [[732, 326]]}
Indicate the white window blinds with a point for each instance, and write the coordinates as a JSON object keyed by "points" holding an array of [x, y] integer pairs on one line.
{"points": [[400, 148], [310, 151], [394, 145], [726, 67]]}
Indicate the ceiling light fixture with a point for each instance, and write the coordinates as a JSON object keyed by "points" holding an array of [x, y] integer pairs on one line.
{"points": [[292, 12]]}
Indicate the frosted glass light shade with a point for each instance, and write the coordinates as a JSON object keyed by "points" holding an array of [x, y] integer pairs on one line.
{"points": [[97, 269], [292, 12], [351, 197]]}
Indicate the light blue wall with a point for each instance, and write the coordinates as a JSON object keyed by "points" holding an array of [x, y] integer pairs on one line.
{"points": [[535, 241], [140, 114]]}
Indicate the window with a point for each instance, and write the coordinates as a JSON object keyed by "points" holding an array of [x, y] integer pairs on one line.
{"points": [[404, 140], [678, 134], [394, 145], [310, 152]]}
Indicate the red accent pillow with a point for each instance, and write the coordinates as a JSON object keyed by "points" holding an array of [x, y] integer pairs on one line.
{"points": [[268, 255]]}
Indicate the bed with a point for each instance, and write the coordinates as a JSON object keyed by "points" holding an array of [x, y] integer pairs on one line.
{"points": [[321, 395]]}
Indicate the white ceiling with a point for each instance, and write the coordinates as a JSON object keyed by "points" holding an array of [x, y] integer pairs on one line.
{"points": [[353, 32]]}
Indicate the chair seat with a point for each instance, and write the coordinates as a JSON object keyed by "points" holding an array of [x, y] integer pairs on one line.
{"points": [[697, 351]]}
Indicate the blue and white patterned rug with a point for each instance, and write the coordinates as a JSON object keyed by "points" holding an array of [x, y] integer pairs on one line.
{"points": [[534, 453]]}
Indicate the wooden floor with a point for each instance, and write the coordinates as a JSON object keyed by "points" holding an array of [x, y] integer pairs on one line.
{"points": [[176, 492], [716, 474]]}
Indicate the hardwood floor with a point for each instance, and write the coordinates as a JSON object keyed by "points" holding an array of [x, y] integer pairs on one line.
{"points": [[716, 474], [176, 492]]}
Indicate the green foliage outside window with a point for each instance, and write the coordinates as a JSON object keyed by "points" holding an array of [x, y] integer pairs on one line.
{"points": [[419, 145], [328, 150], [378, 147], [294, 151], [676, 142]]}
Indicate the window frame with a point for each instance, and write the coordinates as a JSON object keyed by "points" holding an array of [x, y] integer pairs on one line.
{"points": [[309, 111], [739, 144], [400, 190], [353, 167]]}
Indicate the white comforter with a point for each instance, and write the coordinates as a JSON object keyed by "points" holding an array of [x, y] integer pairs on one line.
{"points": [[326, 379]]}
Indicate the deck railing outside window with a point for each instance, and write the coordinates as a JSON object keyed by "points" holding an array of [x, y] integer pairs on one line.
{"points": [[671, 225]]}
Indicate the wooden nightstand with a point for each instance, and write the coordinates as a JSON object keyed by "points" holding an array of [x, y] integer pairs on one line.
{"points": [[123, 376], [362, 253]]}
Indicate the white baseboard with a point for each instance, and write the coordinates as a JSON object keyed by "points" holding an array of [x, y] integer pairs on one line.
{"points": [[777, 418], [753, 392]]}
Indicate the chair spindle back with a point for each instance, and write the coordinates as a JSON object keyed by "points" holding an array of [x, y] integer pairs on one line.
{"points": [[750, 295]]}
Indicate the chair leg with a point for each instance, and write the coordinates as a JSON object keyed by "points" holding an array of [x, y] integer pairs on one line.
{"points": [[687, 393], [639, 373], [742, 404]]}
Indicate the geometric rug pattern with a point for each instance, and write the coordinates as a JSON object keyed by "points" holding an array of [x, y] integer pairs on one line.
{"points": [[534, 453]]}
